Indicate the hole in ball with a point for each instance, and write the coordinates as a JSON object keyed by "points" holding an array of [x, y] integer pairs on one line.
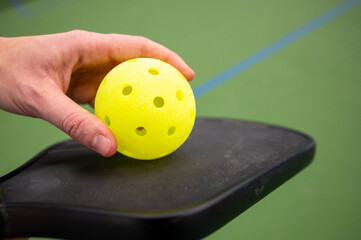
{"points": [[153, 71], [127, 90], [107, 120], [180, 95], [140, 131], [171, 131], [158, 102]]}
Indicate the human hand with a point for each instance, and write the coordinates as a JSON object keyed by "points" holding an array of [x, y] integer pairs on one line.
{"points": [[45, 76]]}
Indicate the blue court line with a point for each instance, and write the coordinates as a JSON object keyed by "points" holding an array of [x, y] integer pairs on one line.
{"points": [[275, 47], [20, 8], [37, 7]]}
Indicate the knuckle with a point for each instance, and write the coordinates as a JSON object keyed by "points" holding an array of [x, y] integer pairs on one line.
{"points": [[169, 56], [77, 38], [74, 125], [142, 43], [77, 32], [141, 39]]}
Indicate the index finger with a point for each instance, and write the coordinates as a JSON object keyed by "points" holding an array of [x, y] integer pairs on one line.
{"points": [[95, 47]]}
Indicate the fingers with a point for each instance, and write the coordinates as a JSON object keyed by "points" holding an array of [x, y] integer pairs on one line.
{"points": [[80, 124], [148, 48], [83, 92], [119, 48], [92, 102]]}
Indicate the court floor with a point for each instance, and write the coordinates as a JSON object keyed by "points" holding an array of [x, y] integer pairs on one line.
{"points": [[295, 64]]}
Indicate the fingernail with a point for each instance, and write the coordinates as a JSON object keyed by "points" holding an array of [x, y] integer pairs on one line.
{"points": [[101, 144]]}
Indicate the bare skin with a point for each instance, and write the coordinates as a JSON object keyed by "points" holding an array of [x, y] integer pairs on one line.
{"points": [[46, 76]]}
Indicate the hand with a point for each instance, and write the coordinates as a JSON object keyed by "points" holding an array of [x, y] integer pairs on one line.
{"points": [[45, 76]]}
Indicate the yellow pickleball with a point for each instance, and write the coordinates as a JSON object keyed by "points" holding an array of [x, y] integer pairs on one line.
{"points": [[148, 105]]}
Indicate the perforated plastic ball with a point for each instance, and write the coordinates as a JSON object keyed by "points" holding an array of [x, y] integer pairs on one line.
{"points": [[148, 105]]}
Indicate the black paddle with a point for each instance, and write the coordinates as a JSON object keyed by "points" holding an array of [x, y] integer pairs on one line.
{"points": [[226, 166]]}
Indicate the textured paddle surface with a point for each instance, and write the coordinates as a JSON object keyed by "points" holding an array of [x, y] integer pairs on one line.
{"points": [[218, 155]]}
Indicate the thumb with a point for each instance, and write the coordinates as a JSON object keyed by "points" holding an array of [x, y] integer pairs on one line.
{"points": [[80, 124]]}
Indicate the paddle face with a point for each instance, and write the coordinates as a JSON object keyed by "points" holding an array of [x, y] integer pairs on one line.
{"points": [[225, 166]]}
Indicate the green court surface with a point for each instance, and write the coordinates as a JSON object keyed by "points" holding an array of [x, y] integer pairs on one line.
{"points": [[312, 85]]}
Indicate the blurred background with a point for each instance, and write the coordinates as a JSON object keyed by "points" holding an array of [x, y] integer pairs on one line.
{"points": [[312, 85]]}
